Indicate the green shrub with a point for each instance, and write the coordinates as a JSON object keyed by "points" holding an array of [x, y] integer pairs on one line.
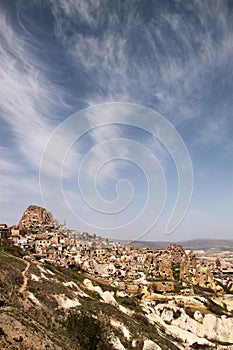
{"points": [[90, 332], [130, 302]]}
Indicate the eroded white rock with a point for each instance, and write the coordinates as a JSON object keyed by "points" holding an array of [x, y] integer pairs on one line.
{"points": [[150, 345]]}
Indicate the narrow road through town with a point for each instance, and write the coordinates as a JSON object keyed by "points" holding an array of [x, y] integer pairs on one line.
{"points": [[25, 279]]}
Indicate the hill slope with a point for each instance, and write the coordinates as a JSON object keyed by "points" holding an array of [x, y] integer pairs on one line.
{"points": [[48, 307], [43, 307]]}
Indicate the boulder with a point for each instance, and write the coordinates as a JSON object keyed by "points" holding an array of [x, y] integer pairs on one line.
{"points": [[150, 345]]}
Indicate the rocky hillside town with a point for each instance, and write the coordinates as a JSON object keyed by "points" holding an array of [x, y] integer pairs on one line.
{"points": [[172, 293]]}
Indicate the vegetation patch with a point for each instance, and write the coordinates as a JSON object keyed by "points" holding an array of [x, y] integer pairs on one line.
{"points": [[90, 332], [130, 302], [13, 250]]}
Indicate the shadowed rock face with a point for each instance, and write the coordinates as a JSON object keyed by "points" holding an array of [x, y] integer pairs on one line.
{"points": [[36, 217]]}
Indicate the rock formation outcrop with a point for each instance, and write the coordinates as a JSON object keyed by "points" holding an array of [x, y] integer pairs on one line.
{"points": [[177, 253], [36, 218]]}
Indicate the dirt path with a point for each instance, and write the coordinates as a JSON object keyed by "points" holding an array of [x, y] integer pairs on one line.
{"points": [[25, 279]]}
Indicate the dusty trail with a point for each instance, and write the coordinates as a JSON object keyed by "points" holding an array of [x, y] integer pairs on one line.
{"points": [[25, 279]]}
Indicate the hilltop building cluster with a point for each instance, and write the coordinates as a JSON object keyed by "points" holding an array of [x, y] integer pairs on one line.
{"points": [[134, 270]]}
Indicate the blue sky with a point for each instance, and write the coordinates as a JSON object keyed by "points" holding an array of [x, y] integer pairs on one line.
{"points": [[122, 60]]}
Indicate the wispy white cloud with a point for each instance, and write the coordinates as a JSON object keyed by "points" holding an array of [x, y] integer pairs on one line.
{"points": [[30, 104], [30, 101], [25, 97], [167, 61], [86, 10]]}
